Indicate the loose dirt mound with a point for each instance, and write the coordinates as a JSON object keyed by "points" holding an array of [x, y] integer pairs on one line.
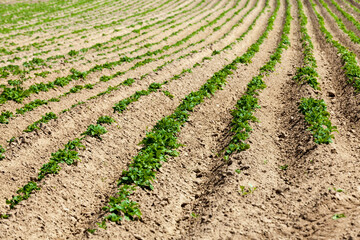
{"points": [[132, 104]]}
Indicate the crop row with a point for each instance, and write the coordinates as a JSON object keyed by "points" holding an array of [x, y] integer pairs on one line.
{"points": [[69, 154], [158, 145], [127, 82], [48, 41], [18, 94], [352, 70], [340, 23], [314, 110], [248, 103], [346, 15], [16, 70], [352, 6], [75, 76], [113, 23], [119, 107]]}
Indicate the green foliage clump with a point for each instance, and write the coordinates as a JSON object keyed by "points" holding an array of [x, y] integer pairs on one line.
{"points": [[105, 120], [248, 103], [95, 131], [24, 193], [44, 119], [317, 117], [2, 150]]}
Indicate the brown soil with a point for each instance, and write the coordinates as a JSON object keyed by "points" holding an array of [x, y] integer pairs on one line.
{"points": [[197, 194]]}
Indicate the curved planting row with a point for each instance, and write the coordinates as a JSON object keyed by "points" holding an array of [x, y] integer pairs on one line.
{"points": [[161, 142], [69, 155], [314, 110], [75, 76], [146, 109], [127, 82], [351, 67]]}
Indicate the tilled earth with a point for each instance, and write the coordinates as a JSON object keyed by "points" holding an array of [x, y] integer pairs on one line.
{"points": [[196, 195]]}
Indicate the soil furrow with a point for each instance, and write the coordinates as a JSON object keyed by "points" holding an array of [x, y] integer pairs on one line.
{"points": [[82, 96]]}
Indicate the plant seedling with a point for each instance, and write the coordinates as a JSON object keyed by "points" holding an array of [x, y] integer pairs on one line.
{"points": [[102, 224], [95, 131], [284, 167], [194, 215], [105, 119], [4, 216], [338, 216], [2, 150], [92, 231], [245, 191]]}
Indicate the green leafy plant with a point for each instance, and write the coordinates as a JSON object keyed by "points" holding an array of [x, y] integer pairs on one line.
{"points": [[338, 216], [4, 117], [168, 94], [2, 150], [95, 131], [91, 230], [24, 193], [105, 120], [4, 216], [247, 190], [102, 225], [307, 73], [44, 119], [284, 167], [194, 215], [248, 103], [317, 117]]}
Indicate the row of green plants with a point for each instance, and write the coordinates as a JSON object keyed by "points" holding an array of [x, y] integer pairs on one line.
{"points": [[243, 113], [18, 93], [229, 19], [160, 143], [352, 6], [254, 48], [352, 70], [346, 15], [124, 103], [241, 37], [68, 155], [340, 23], [127, 82], [4, 117], [75, 53], [317, 116], [113, 23], [11, 69], [314, 110], [307, 73], [16, 70]]}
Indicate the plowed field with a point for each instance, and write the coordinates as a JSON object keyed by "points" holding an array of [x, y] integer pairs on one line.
{"points": [[177, 119]]}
